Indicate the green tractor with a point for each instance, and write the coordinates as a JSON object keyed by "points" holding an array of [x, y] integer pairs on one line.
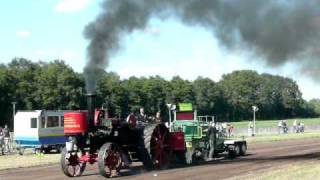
{"points": [[204, 138]]}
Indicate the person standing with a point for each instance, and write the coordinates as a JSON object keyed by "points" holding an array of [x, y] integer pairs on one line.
{"points": [[250, 129], [294, 126], [285, 127], [230, 130], [6, 135], [224, 129], [1, 141], [301, 127], [280, 126], [211, 135]]}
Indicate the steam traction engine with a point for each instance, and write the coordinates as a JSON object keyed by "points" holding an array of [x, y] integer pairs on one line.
{"points": [[113, 144]]}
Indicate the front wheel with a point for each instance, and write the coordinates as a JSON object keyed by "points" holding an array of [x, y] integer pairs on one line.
{"points": [[189, 155], [71, 164], [243, 149], [109, 160]]}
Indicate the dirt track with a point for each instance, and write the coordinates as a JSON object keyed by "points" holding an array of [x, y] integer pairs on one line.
{"points": [[260, 157]]}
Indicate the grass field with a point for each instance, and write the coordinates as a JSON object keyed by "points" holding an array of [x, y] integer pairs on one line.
{"points": [[306, 170], [282, 137], [27, 160], [274, 123]]}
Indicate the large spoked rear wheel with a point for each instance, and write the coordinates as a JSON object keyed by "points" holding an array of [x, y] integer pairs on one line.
{"points": [[157, 144], [109, 160], [71, 164]]}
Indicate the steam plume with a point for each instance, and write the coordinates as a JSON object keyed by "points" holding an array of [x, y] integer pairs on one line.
{"points": [[277, 30]]}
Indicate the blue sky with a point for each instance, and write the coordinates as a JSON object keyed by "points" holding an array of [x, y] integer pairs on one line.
{"points": [[52, 29]]}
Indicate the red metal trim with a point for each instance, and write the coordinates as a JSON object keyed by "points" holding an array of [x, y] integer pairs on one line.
{"points": [[177, 141]]}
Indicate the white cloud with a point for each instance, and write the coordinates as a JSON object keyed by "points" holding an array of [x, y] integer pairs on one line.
{"points": [[71, 5], [152, 30], [23, 33]]}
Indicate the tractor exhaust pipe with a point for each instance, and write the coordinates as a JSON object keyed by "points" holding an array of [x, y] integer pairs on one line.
{"points": [[91, 104]]}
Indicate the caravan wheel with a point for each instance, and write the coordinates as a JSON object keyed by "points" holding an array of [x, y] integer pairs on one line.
{"points": [[21, 151]]}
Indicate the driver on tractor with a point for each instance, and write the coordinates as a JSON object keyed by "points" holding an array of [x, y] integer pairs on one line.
{"points": [[211, 135]]}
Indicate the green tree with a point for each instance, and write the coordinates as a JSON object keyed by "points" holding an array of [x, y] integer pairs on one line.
{"points": [[5, 96], [241, 90], [112, 94], [59, 87], [315, 105], [208, 97], [155, 89], [22, 74], [180, 91], [136, 97]]}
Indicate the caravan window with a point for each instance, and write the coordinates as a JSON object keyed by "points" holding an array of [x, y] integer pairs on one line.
{"points": [[53, 121], [33, 122]]}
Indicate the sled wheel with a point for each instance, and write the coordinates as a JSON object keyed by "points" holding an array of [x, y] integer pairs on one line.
{"points": [[243, 149], [180, 157], [109, 160], [70, 163], [237, 149]]}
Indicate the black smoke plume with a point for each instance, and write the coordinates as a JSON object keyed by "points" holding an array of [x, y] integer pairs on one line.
{"points": [[277, 31]]}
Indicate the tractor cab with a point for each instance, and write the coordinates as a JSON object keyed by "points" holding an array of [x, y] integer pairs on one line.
{"points": [[204, 138], [185, 119]]}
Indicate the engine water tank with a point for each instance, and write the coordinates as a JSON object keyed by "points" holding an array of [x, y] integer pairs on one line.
{"points": [[75, 122]]}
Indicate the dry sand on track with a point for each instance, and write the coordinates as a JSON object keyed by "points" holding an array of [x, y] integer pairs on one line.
{"points": [[261, 157]]}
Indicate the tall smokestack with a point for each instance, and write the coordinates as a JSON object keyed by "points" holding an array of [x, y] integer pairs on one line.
{"points": [[91, 102], [277, 31]]}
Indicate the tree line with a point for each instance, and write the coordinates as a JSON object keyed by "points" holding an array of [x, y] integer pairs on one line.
{"points": [[55, 85]]}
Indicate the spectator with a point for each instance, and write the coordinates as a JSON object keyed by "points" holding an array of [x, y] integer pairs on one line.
{"points": [[1, 141], [280, 126], [285, 127], [6, 135], [230, 130], [298, 126], [294, 126], [250, 129], [301, 127], [224, 129]]}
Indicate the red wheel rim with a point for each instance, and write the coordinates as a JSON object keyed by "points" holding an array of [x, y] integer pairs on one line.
{"points": [[159, 147]]}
